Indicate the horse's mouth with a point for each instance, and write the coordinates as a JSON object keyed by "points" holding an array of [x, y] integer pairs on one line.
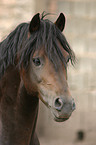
{"points": [[58, 119]]}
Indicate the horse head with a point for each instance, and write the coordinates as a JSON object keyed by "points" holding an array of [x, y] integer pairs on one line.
{"points": [[46, 73]]}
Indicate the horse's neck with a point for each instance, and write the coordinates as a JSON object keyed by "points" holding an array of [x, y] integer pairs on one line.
{"points": [[18, 111], [27, 111]]}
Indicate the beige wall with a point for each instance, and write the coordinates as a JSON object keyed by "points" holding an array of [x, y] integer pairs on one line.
{"points": [[14, 12]]}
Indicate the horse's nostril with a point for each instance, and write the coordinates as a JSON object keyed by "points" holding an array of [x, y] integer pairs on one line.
{"points": [[58, 104], [73, 106]]}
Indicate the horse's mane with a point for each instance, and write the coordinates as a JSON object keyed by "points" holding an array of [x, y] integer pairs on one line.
{"points": [[10, 46], [18, 43]]}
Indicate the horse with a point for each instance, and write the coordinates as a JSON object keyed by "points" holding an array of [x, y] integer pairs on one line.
{"points": [[33, 66]]}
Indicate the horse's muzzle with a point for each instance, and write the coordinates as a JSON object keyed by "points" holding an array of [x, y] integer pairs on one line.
{"points": [[62, 109]]}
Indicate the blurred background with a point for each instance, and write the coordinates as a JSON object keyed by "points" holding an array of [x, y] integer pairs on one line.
{"points": [[80, 32]]}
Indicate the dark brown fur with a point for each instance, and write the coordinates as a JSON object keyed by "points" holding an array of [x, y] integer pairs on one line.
{"points": [[19, 119]]}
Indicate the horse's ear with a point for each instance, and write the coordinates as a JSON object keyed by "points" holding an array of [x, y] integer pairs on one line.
{"points": [[35, 23], [60, 22]]}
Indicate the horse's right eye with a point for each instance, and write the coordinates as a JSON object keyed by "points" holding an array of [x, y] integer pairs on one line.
{"points": [[36, 61]]}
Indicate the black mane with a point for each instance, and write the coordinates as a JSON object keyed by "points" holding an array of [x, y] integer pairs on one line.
{"points": [[18, 43]]}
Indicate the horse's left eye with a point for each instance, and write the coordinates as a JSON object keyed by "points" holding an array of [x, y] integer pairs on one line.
{"points": [[36, 61], [68, 59]]}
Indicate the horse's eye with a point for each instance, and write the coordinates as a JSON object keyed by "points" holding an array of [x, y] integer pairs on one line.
{"points": [[36, 61], [68, 59]]}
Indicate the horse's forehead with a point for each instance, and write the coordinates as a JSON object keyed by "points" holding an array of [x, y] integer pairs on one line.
{"points": [[39, 52]]}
